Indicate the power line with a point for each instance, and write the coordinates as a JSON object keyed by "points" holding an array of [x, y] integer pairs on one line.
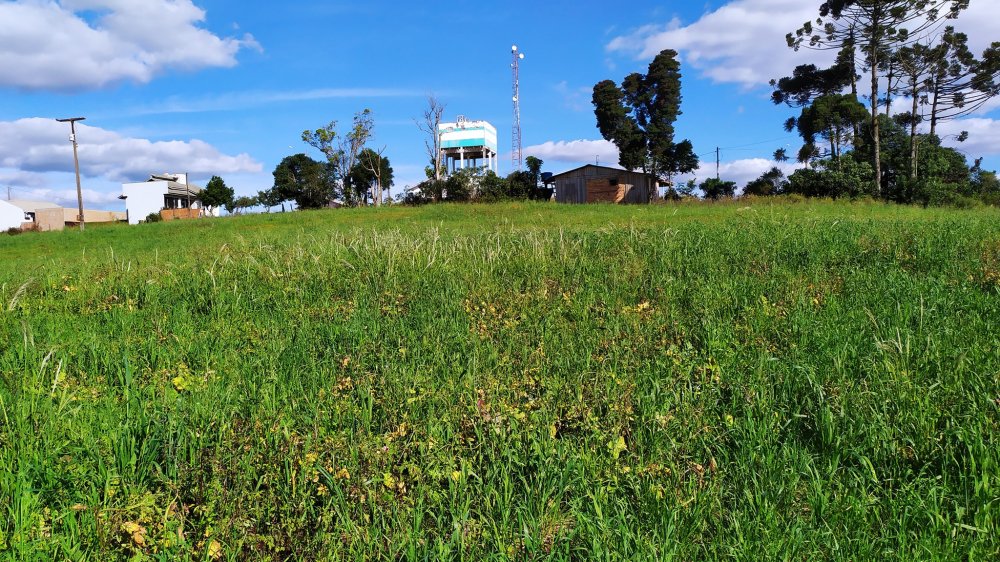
{"points": [[756, 143], [743, 147]]}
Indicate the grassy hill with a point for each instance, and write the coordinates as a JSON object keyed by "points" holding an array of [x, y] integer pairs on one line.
{"points": [[807, 381]]}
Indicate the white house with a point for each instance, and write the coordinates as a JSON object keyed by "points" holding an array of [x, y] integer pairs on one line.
{"points": [[162, 192], [11, 216]]}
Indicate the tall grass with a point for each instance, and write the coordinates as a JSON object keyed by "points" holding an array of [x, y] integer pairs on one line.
{"points": [[510, 382]]}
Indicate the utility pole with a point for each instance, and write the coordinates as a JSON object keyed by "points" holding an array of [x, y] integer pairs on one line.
{"points": [[187, 188], [76, 164], [8, 193], [717, 163]]}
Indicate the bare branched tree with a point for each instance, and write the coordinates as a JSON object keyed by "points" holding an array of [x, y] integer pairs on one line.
{"points": [[342, 151], [371, 160], [429, 126]]}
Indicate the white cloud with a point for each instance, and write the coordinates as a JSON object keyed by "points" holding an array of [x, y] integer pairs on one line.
{"points": [[739, 171], [38, 145], [575, 152], [984, 136], [743, 42], [88, 44], [979, 22], [21, 178], [232, 101], [66, 197]]}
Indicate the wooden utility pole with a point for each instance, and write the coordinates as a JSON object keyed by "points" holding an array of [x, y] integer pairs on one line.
{"points": [[76, 164], [187, 189], [717, 162]]}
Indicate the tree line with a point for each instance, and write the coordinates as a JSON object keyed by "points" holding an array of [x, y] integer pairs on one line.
{"points": [[352, 173], [920, 73]]}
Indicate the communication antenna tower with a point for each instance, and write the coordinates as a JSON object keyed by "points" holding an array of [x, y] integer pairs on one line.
{"points": [[517, 160]]}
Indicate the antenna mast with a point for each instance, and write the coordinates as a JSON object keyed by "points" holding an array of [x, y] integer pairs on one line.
{"points": [[516, 157]]}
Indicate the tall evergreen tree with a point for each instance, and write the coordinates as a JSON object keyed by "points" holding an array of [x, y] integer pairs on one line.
{"points": [[638, 117]]}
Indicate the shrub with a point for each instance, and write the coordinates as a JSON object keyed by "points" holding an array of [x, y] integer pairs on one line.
{"points": [[771, 182], [845, 177], [153, 217]]}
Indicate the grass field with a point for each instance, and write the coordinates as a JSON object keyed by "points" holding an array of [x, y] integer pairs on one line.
{"points": [[771, 381]]}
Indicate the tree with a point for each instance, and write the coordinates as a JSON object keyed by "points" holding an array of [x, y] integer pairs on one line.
{"points": [[716, 189], [461, 185], [492, 187], [959, 84], [431, 190], [984, 184], [342, 151], [771, 182], [808, 82], [534, 169], [826, 179], [914, 63], [520, 185], [431, 126], [354, 142], [372, 175], [639, 117], [216, 194], [269, 198], [237, 205], [326, 140], [878, 28], [305, 181], [832, 117]]}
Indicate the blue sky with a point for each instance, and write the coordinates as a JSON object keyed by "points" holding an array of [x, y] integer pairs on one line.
{"points": [[223, 87]]}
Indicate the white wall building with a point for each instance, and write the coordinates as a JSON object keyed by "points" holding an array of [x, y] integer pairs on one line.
{"points": [[11, 216], [159, 192]]}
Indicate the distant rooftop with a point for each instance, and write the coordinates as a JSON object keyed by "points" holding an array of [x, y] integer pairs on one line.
{"points": [[32, 206], [175, 185]]}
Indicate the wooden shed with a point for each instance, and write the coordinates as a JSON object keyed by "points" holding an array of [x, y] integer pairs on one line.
{"points": [[601, 184]]}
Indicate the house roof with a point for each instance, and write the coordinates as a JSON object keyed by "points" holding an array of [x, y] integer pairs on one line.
{"points": [[574, 170], [174, 187], [30, 206]]}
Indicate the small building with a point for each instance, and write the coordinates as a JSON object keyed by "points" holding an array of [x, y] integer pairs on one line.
{"points": [[42, 215], [601, 184], [170, 195], [11, 216]]}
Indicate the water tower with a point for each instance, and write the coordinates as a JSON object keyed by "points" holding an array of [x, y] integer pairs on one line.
{"points": [[468, 144]]}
